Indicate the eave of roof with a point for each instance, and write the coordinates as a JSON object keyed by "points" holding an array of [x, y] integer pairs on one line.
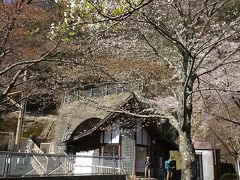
{"points": [[112, 101]]}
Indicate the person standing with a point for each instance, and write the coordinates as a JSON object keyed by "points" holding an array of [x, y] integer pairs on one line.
{"points": [[168, 169], [147, 168]]}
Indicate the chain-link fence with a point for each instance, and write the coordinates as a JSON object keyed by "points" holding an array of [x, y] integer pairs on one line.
{"points": [[13, 164]]}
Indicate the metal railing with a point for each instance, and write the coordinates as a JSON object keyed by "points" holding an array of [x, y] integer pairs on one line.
{"points": [[37, 161], [52, 148], [98, 165], [13, 164], [109, 88], [104, 89], [32, 147]]}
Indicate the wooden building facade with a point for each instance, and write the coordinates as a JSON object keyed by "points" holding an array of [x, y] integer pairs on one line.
{"points": [[117, 134]]}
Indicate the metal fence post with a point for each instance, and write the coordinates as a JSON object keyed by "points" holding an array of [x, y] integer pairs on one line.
{"points": [[7, 165], [114, 165], [46, 166]]}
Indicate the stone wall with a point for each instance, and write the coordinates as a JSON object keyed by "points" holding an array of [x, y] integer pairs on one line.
{"points": [[73, 113]]}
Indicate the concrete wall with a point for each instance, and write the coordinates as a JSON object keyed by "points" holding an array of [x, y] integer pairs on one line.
{"points": [[72, 114], [96, 177], [207, 163]]}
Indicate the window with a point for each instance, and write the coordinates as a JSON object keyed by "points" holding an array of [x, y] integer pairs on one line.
{"points": [[142, 137], [110, 150], [141, 154], [111, 136]]}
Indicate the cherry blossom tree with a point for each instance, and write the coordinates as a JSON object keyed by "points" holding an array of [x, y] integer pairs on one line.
{"points": [[224, 126], [23, 45], [219, 113], [194, 38]]}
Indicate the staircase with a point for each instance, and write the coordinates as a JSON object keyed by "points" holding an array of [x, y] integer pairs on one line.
{"points": [[65, 164], [47, 165], [39, 162]]}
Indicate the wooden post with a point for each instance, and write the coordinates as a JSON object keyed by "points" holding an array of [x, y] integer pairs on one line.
{"points": [[134, 163], [20, 124], [20, 118]]}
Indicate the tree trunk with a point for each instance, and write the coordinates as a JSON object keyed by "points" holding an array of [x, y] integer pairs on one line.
{"points": [[189, 163]]}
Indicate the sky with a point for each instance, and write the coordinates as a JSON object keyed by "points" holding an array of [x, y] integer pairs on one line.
{"points": [[7, 1]]}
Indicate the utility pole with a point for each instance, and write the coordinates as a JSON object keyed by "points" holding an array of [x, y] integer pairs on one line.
{"points": [[20, 124], [20, 117]]}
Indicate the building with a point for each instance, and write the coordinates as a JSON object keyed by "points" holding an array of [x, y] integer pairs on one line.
{"points": [[208, 161], [102, 130]]}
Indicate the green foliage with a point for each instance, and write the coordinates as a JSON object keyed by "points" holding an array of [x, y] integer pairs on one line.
{"points": [[72, 33], [34, 31], [117, 11], [176, 156], [34, 130], [229, 176], [86, 16]]}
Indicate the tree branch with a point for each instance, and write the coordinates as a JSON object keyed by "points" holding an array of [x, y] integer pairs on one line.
{"points": [[45, 57], [222, 63], [124, 15], [226, 146]]}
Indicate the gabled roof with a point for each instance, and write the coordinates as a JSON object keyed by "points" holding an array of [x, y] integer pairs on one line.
{"points": [[90, 121], [156, 132], [75, 113]]}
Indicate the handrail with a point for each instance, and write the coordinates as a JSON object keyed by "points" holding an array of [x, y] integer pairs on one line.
{"points": [[58, 169], [40, 164], [32, 171], [33, 147], [53, 148], [36, 161], [60, 151]]}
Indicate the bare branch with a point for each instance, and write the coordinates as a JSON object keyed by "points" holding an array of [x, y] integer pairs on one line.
{"points": [[124, 15], [45, 57], [228, 120], [223, 62], [11, 84], [215, 89], [223, 143]]}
